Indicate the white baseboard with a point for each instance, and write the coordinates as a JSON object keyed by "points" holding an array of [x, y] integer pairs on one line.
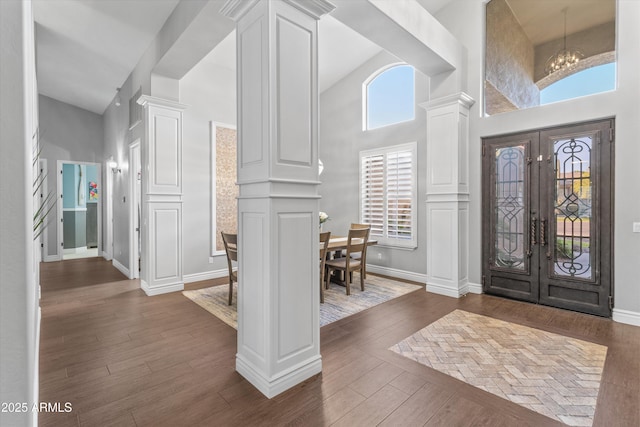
{"points": [[475, 288], [273, 387], [626, 316], [394, 272], [124, 270], [161, 289], [207, 275], [444, 290], [52, 258], [105, 255]]}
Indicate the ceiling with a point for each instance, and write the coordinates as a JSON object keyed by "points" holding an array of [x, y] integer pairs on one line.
{"points": [[340, 51], [87, 48], [543, 20]]}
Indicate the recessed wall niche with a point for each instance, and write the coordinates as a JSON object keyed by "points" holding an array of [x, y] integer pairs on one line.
{"points": [[524, 38]]}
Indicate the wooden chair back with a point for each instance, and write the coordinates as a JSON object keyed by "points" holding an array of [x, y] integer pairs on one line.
{"points": [[324, 246], [231, 248], [357, 241]]}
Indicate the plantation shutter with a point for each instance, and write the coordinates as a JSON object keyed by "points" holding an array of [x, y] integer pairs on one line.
{"points": [[372, 193], [387, 194], [399, 195]]}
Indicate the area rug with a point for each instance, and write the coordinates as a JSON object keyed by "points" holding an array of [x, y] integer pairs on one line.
{"points": [[551, 374], [337, 304]]}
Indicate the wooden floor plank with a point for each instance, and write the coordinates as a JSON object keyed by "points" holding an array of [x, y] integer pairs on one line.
{"points": [[124, 359]]}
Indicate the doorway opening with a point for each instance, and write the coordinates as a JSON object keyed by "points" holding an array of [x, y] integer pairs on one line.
{"points": [[79, 210], [135, 214], [547, 209]]}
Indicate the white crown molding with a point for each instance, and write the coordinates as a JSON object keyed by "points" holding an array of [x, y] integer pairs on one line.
{"points": [[461, 98], [145, 100], [236, 9], [314, 8]]}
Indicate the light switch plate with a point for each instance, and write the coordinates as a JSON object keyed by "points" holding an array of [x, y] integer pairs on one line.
{"points": [[636, 227]]}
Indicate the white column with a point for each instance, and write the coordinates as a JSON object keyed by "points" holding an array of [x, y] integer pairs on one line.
{"points": [[448, 194], [161, 263], [278, 296]]}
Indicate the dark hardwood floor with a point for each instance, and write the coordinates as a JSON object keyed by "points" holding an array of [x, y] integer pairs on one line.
{"points": [[124, 359]]}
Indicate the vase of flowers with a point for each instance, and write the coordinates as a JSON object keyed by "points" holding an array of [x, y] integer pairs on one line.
{"points": [[323, 218]]}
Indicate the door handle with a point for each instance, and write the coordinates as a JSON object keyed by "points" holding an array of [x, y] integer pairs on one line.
{"points": [[532, 235], [543, 232]]}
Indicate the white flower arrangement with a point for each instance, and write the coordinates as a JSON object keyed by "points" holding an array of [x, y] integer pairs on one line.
{"points": [[323, 217]]}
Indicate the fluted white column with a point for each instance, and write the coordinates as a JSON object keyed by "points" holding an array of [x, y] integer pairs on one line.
{"points": [[278, 296], [161, 234], [448, 194]]}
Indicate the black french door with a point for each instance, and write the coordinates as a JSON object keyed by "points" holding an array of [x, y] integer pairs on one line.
{"points": [[547, 208]]}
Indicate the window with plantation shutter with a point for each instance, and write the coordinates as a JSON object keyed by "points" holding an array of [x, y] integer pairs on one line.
{"points": [[387, 194]]}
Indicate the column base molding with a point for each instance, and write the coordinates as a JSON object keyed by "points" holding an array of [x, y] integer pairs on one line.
{"points": [[272, 387], [447, 288], [161, 289]]}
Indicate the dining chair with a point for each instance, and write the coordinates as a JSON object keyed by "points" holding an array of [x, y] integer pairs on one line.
{"points": [[324, 245], [231, 248], [364, 252], [356, 243]]}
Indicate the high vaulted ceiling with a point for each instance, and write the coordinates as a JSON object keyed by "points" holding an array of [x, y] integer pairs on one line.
{"points": [[87, 48], [543, 20]]}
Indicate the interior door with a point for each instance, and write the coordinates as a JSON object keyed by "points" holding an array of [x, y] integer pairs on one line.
{"points": [[547, 216]]}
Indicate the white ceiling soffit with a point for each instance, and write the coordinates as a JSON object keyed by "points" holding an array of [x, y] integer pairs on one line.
{"points": [[340, 51], [543, 20], [434, 6], [87, 48]]}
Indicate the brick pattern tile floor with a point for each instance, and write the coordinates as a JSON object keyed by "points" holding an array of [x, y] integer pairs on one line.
{"points": [[548, 373]]}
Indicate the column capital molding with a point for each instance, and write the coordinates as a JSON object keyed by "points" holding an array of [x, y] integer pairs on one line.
{"points": [[314, 8], [236, 9], [145, 100], [461, 99]]}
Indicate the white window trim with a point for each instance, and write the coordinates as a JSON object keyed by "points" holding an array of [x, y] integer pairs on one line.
{"points": [[365, 96], [384, 240]]}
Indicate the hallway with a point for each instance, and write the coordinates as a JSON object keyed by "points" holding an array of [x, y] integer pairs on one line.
{"points": [[122, 358]]}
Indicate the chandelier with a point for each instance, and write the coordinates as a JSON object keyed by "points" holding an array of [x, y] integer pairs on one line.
{"points": [[565, 58]]}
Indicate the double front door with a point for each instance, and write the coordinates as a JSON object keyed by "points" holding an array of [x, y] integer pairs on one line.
{"points": [[548, 215]]}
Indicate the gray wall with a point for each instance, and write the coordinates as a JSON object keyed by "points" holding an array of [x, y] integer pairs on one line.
{"points": [[210, 93], [118, 136], [66, 133], [342, 139]]}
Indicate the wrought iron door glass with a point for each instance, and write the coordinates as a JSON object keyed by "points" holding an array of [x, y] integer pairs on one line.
{"points": [[509, 239], [573, 212]]}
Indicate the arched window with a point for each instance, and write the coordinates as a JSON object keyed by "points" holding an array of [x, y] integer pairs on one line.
{"points": [[596, 79], [389, 97]]}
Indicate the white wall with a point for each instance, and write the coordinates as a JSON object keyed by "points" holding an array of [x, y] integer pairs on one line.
{"points": [[118, 136], [66, 133], [209, 91], [342, 139], [465, 19], [19, 311]]}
